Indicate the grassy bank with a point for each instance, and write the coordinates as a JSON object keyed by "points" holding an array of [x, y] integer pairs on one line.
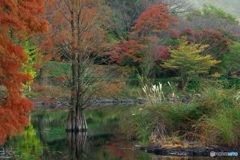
{"points": [[213, 119]]}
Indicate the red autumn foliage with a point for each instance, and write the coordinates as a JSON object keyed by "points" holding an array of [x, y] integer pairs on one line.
{"points": [[18, 19], [160, 53], [154, 20], [218, 44], [148, 29], [131, 49]]}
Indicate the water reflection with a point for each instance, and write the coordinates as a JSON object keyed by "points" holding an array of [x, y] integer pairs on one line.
{"points": [[27, 145], [76, 144], [45, 138]]}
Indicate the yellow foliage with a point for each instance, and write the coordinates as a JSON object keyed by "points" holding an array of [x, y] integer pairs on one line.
{"points": [[188, 60]]}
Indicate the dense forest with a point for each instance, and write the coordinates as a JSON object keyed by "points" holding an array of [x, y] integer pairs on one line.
{"points": [[155, 49]]}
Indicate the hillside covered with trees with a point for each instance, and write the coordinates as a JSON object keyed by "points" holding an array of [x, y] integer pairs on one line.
{"points": [[230, 6]]}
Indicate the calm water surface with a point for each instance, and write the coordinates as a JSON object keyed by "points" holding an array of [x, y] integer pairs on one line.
{"points": [[46, 139]]}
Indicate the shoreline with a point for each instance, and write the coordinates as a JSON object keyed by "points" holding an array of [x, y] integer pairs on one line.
{"points": [[54, 103]]}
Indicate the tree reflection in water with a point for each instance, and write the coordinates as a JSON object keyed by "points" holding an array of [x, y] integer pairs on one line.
{"points": [[76, 143], [26, 145], [46, 139]]}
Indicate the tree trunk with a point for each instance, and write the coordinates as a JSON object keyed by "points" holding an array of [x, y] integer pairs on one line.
{"points": [[39, 78], [76, 121], [80, 121], [71, 121]]}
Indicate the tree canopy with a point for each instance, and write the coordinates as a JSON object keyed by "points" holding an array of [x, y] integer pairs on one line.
{"points": [[19, 19], [188, 62]]}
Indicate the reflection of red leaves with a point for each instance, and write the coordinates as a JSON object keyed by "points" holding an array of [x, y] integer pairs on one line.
{"points": [[116, 151], [116, 148]]}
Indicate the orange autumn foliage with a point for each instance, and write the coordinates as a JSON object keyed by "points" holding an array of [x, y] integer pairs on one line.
{"points": [[113, 88], [18, 19]]}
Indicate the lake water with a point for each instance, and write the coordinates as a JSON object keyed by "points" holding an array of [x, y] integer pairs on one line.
{"points": [[45, 138]]}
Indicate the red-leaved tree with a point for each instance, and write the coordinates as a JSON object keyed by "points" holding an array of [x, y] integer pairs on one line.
{"points": [[78, 36], [140, 49], [18, 19]]}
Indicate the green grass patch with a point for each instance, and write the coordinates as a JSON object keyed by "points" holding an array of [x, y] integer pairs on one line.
{"points": [[53, 68]]}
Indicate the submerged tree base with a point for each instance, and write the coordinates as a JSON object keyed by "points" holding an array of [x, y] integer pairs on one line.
{"points": [[76, 122]]}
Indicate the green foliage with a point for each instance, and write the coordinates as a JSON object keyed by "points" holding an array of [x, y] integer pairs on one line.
{"points": [[228, 34], [234, 83], [28, 146], [196, 84], [172, 42], [227, 83], [57, 68], [231, 61], [211, 10], [188, 61], [135, 79], [29, 66]]}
